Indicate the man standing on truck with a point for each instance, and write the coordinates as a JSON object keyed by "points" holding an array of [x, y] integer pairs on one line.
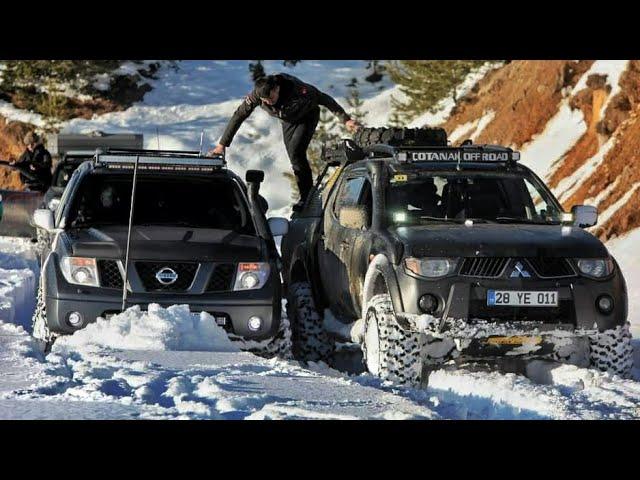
{"points": [[36, 160], [296, 104]]}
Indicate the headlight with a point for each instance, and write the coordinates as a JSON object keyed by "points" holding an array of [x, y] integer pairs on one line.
{"points": [[80, 270], [251, 276], [53, 204], [431, 267], [595, 267]]}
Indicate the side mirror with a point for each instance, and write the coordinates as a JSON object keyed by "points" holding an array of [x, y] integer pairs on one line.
{"points": [[254, 176], [353, 217], [279, 226], [43, 219], [584, 215]]}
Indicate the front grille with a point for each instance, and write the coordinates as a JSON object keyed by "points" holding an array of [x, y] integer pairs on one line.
{"points": [[221, 277], [147, 273], [109, 273], [547, 267], [485, 267]]}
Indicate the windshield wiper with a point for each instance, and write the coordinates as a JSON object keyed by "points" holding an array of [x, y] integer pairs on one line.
{"points": [[525, 220], [456, 220]]}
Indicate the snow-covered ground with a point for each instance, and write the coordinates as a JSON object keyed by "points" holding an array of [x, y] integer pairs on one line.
{"points": [[169, 364]]}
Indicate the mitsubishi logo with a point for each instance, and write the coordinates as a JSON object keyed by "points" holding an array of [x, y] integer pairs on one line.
{"points": [[520, 271], [166, 276]]}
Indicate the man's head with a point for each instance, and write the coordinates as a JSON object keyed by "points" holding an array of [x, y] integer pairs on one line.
{"points": [[267, 89], [30, 140]]}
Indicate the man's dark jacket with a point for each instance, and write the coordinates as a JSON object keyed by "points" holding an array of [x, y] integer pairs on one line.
{"points": [[296, 100], [40, 158]]}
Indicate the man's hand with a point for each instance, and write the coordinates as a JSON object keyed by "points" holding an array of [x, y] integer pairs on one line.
{"points": [[219, 150], [352, 125]]}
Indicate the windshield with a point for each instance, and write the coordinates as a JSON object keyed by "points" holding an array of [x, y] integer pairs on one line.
{"points": [[499, 197], [198, 202]]}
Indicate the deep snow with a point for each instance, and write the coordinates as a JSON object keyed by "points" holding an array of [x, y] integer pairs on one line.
{"points": [[170, 364]]}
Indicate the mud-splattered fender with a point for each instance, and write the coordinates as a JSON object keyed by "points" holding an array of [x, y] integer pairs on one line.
{"points": [[381, 269]]}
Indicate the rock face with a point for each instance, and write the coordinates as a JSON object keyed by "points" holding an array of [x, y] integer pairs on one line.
{"points": [[577, 125]]}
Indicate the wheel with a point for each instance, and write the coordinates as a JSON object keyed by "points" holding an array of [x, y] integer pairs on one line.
{"points": [[389, 351], [401, 136], [309, 340], [41, 330], [611, 351]]}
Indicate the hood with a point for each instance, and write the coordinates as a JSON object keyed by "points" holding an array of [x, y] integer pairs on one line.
{"points": [[165, 243], [491, 240]]}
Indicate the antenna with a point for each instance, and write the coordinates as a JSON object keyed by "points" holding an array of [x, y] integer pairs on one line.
{"points": [[158, 137], [201, 141], [126, 260]]}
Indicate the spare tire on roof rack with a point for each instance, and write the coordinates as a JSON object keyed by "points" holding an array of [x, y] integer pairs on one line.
{"points": [[402, 137]]}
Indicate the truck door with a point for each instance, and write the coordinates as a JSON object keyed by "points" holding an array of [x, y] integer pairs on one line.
{"points": [[335, 248]]}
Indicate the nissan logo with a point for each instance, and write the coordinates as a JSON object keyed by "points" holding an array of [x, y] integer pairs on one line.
{"points": [[166, 276]]}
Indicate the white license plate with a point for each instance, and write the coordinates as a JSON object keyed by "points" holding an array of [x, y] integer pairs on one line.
{"points": [[513, 298]]}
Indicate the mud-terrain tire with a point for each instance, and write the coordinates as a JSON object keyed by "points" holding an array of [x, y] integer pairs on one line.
{"points": [[611, 351], [40, 326], [389, 351], [401, 136], [310, 342]]}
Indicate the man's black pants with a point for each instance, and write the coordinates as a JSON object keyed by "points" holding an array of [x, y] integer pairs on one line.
{"points": [[297, 137]]}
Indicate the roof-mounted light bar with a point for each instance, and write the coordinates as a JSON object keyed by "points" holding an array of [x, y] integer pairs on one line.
{"points": [[159, 160]]}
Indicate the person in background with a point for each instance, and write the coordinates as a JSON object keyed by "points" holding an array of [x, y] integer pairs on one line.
{"points": [[35, 160], [296, 105]]}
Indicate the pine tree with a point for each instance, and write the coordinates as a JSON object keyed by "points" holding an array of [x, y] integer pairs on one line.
{"points": [[354, 106], [427, 82]]}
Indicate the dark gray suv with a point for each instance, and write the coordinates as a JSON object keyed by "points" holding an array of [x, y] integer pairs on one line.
{"points": [[426, 253], [198, 236]]}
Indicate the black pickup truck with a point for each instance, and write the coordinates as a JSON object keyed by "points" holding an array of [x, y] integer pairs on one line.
{"points": [[198, 236], [427, 253]]}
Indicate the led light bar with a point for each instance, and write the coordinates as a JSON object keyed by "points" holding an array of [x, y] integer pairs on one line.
{"points": [[159, 160]]}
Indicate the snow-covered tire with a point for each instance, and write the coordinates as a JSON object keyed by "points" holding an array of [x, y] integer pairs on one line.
{"points": [[310, 342], [611, 351], [41, 330], [42, 240], [389, 351]]}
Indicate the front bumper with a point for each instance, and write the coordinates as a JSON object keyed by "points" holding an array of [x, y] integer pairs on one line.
{"points": [[235, 314], [465, 299]]}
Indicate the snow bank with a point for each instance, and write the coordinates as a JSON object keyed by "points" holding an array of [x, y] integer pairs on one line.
{"points": [[173, 328], [18, 276], [624, 249]]}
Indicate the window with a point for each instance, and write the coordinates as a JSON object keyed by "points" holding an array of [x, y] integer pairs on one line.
{"points": [[349, 193], [214, 202], [489, 197]]}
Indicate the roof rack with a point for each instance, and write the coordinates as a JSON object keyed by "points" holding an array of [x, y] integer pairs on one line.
{"points": [[158, 160]]}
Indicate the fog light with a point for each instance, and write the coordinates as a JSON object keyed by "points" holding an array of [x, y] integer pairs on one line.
{"points": [[254, 324], [605, 304], [428, 303], [74, 319]]}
